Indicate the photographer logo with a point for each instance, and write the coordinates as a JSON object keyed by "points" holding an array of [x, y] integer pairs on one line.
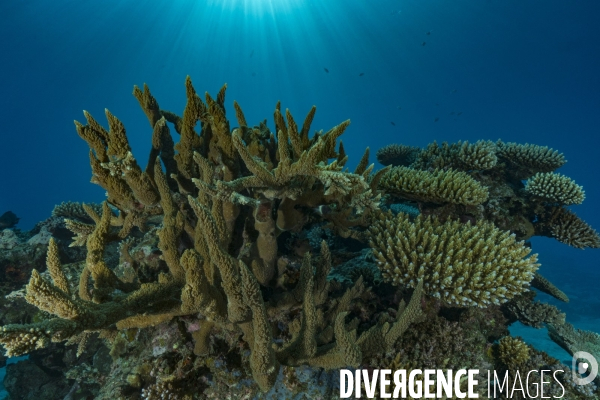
{"points": [[590, 366]]}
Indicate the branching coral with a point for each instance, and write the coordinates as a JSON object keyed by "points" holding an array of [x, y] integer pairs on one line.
{"points": [[544, 285], [573, 340], [535, 314], [76, 211], [397, 155], [439, 186], [555, 188], [464, 156], [484, 180], [460, 264], [214, 215], [526, 160], [566, 227], [513, 352], [222, 202]]}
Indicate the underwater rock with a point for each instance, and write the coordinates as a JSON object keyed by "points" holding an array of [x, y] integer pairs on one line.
{"points": [[26, 381]]}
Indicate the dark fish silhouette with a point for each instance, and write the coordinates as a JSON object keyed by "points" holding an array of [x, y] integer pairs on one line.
{"points": [[323, 210], [428, 33], [361, 74], [460, 112], [423, 44], [326, 70], [393, 123], [436, 119], [8, 220]]}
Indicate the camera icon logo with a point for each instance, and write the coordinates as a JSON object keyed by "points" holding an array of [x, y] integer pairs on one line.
{"points": [[589, 367]]}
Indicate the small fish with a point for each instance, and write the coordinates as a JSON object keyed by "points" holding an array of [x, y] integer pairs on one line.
{"points": [[436, 119], [251, 53], [399, 108], [460, 112], [428, 33], [391, 122], [361, 74], [322, 210], [8, 220], [437, 104], [423, 44], [326, 70]]}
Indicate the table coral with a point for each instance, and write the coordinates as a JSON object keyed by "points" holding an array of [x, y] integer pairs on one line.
{"points": [[555, 188], [438, 186]]}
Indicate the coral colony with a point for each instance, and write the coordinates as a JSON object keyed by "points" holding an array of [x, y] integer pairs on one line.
{"points": [[250, 263]]}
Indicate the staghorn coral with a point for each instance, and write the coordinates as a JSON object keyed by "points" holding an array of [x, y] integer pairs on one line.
{"points": [[438, 186], [397, 155], [224, 199], [76, 211], [526, 160], [460, 264], [555, 188]]}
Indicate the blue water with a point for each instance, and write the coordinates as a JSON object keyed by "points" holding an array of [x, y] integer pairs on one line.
{"points": [[524, 71], [14, 360]]}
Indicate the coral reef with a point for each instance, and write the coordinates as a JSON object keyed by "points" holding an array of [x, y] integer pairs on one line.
{"points": [[397, 155], [223, 201], [460, 264], [555, 188], [574, 340], [513, 351], [526, 160], [242, 262], [462, 155], [439, 186], [566, 227], [531, 313]]}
